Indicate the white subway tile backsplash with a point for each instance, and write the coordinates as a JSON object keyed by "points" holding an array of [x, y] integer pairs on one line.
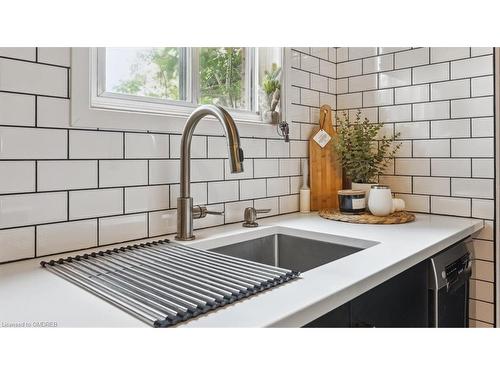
{"points": [[360, 52], [411, 94], [450, 128], [482, 290], [27, 143], [268, 203], [363, 83], [17, 177], [472, 187], [223, 191], [31, 78], [146, 198], [414, 57], [217, 147], [53, 112], [253, 148], [451, 167], [475, 148], [30, 209], [348, 69], [17, 109], [384, 50], [162, 222], [482, 127], [450, 90], [66, 175], [255, 188], [198, 193], [94, 203], [398, 184], [440, 54], [473, 67], [309, 97], [146, 146], [483, 209], [55, 55], [122, 228], [266, 168], [431, 73], [234, 211], [289, 167], [207, 170], [123, 173], [318, 83], [61, 237], [416, 203], [431, 111], [394, 78], [451, 206], [164, 171], [18, 243], [346, 101], [378, 98], [277, 148], [342, 54], [431, 185], [412, 167], [484, 250], [309, 63], [482, 311], [412, 130], [95, 145], [327, 69], [482, 86], [474, 107], [478, 51], [300, 78], [377, 64], [431, 148], [487, 233], [396, 113], [321, 52], [278, 186], [23, 53], [483, 270], [483, 168], [299, 113], [299, 149], [342, 86], [288, 204]]}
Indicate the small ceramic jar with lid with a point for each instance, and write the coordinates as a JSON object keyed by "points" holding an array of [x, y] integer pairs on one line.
{"points": [[352, 201], [380, 201]]}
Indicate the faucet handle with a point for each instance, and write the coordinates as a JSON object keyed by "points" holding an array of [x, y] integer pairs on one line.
{"points": [[199, 212]]}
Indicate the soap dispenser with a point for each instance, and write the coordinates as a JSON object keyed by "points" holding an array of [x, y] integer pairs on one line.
{"points": [[305, 192]]}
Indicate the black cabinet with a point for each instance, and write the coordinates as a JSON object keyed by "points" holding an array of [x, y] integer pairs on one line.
{"points": [[401, 301]]}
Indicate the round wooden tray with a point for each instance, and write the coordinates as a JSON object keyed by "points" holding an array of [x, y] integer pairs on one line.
{"points": [[367, 218]]}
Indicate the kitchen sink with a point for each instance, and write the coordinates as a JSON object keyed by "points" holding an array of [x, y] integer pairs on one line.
{"points": [[286, 251]]}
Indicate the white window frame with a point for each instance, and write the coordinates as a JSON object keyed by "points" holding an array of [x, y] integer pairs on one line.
{"points": [[89, 108]]}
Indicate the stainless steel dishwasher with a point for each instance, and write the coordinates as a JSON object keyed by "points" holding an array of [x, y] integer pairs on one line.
{"points": [[449, 274]]}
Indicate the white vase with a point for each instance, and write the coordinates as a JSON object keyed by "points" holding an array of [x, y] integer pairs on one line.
{"points": [[366, 187]]}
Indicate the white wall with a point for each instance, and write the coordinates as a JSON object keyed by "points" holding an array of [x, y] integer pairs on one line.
{"points": [[63, 189], [441, 102]]}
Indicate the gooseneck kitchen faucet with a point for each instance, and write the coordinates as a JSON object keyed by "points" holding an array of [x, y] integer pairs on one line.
{"points": [[185, 211]]}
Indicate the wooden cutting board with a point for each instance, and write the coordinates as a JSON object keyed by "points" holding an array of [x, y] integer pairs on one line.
{"points": [[324, 168]]}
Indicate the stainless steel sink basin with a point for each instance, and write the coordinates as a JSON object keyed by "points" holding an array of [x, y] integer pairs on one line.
{"points": [[291, 252]]}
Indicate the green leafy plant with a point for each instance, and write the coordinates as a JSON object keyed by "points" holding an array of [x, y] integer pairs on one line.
{"points": [[362, 152], [271, 81]]}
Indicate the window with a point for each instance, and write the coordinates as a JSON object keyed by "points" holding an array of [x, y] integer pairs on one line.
{"points": [[173, 80]]}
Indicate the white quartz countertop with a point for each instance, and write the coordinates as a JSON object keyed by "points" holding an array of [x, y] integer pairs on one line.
{"points": [[30, 295]]}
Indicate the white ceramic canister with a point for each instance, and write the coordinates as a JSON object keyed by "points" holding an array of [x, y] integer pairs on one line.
{"points": [[380, 200]]}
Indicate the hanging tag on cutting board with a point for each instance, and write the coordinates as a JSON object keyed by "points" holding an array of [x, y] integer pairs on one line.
{"points": [[322, 138], [325, 172]]}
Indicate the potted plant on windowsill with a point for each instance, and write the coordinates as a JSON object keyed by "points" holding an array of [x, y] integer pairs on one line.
{"points": [[271, 86], [363, 153]]}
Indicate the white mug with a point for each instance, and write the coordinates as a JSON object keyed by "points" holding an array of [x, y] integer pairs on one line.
{"points": [[380, 200]]}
